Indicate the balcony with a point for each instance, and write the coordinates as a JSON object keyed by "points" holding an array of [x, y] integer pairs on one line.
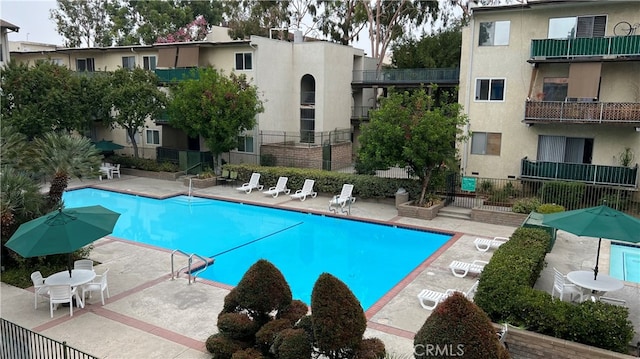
{"points": [[580, 172], [555, 112], [360, 112], [166, 76], [609, 47], [411, 77]]}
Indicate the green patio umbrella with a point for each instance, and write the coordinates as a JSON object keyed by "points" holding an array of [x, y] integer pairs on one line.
{"points": [[62, 231], [107, 146], [599, 222]]}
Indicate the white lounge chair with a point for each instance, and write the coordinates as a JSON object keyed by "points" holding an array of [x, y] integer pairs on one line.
{"points": [[341, 200], [562, 287], [484, 244], [254, 183], [429, 299], [307, 190], [281, 186], [461, 269]]}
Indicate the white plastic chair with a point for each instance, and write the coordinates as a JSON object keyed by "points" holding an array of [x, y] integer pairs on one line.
{"points": [[429, 299], [40, 289], [115, 170], [281, 187], [61, 294], [307, 190], [461, 269], [83, 264], [342, 199], [99, 284], [562, 287], [484, 244], [254, 183]]}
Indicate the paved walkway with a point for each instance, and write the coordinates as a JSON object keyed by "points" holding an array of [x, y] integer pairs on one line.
{"points": [[151, 316]]}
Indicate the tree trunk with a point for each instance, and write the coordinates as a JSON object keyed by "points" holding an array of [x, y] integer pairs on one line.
{"points": [[425, 183], [58, 185]]}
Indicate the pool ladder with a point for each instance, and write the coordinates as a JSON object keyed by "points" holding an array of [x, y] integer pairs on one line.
{"points": [[175, 274]]}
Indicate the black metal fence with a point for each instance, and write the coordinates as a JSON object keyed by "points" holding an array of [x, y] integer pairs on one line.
{"points": [[19, 342]]}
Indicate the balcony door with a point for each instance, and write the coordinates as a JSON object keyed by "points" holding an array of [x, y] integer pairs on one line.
{"points": [[565, 149]]}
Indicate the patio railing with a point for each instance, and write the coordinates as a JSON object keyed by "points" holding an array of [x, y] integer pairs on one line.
{"points": [[19, 342]]}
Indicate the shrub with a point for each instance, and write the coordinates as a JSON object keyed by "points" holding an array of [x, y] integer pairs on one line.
{"points": [[549, 208], [296, 310], [267, 160], [306, 323], [231, 301], [371, 348], [460, 325], [567, 194], [338, 319], [526, 205], [263, 290], [267, 334], [237, 326], [601, 325], [222, 347], [486, 186], [292, 344], [144, 164], [249, 353]]}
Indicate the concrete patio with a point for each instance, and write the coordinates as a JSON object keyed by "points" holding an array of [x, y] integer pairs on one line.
{"points": [[149, 315]]}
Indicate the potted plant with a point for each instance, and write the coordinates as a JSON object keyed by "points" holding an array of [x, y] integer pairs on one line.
{"points": [[204, 179]]}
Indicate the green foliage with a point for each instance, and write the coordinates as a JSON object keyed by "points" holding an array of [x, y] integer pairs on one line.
{"points": [[486, 186], [83, 23], [526, 205], [223, 347], [237, 326], [567, 194], [549, 208], [268, 160], [215, 107], [306, 323], [439, 50], [338, 318], [144, 164], [249, 353], [292, 344], [267, 334], [461, 325], [506, 294], [263, 290], [296, 310], [371, 348], [409, 129], [255, 17]]}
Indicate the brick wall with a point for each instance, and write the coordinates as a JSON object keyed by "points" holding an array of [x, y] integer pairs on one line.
{"points": [[497, 217], [524, 344], [308, 157], [340, 155]]}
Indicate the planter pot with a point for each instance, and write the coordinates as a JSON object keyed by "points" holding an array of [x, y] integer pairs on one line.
{"points": [[408, 209], [200, 182]]}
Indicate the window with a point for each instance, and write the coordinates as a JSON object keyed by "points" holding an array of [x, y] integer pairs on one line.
{"points": [[494, 33], [486, 143], [128, 62], [153, 137], [149, 62], [555, 88], [564, 149], [58, 62], [490, 89], [243, 61], [87, 64], [245, 144], [581, 26]]}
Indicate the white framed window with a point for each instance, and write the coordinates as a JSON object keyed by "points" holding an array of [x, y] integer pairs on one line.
{"points": [[577, 26], [128, 62], [149, 62], [58, 62], [245, 144], [495, 33], [244, 61], [153, 137], [87, 64], [137, 136], [490, 89], [486, 143]]}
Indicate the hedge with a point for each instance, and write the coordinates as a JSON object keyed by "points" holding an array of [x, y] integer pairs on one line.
{"points": [[506, 294]]}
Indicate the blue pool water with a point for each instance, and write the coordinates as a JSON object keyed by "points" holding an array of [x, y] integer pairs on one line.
{"points": [[624, 262], [371, 259]]}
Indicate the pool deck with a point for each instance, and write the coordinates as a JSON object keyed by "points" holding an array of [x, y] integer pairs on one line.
{"points": [[148, 315]]}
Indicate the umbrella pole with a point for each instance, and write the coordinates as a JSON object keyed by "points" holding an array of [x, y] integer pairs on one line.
{"points": [[69, 265], [595, 270]]}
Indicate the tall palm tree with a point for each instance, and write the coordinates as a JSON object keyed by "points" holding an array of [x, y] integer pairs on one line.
{"points": [[62, 156]]}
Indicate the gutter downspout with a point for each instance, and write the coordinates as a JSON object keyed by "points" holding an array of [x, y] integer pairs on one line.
{"points": [[465, 154]]}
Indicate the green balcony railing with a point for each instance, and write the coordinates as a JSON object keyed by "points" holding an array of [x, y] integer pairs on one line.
{"points": [[407, 76], [580, 172], [174, 75], [616, 46]]}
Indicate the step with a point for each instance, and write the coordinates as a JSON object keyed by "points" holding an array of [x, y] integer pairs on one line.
{"points": [[454, 215], [455, 212]]}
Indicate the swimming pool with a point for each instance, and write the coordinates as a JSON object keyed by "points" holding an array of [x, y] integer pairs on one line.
{"points": [[624, 262], [370, 258]]}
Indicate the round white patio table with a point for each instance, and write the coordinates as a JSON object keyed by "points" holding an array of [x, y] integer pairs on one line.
{"points": [[602, 284], [78, 278]]}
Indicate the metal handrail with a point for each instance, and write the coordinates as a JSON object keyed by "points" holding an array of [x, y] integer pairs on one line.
{"points": [[206, 265], [175, 274], [186, 172], [181, 269]]}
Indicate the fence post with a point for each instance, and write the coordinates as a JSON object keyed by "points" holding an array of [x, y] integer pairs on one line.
{"points": [[65, 354]]}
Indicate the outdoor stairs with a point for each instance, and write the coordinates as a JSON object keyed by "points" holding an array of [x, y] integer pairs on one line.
{"points": [[455, 212]]}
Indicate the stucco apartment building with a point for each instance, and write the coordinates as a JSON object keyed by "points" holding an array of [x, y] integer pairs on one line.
{"points": [[5, 28], [552, 91], [305, 86]]}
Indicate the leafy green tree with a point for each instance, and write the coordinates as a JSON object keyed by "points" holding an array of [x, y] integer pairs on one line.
{"points": [[134, 97], [38, 99], [342, 21], [255, 17], [439, 50], [409, 130], [62, 156], [216, 107], [84, 22]]}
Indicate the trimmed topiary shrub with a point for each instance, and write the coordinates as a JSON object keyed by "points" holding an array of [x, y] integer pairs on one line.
{"points": [[371, 348], [231, 302], [292, 344], [263, 290], [293, 312], [306, 323], [237, 326], [457, 327], [222, 347], [248, 353], [549, 208], [267, 334], [526, 205], [337, 317]]}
